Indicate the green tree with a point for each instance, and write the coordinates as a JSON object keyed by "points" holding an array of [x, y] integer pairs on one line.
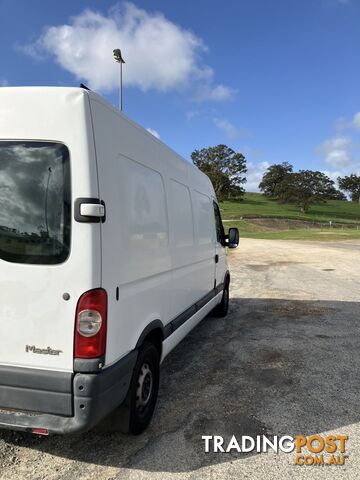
{"points": [[351, 185], [335, 194], [273, 177], [225, 168], [305, 188]]}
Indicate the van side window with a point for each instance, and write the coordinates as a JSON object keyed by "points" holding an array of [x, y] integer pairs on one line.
{"points": [[220, 234]]}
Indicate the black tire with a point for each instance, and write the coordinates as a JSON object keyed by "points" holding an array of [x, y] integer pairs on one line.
{"points": [[135, 414], [221, 310]]}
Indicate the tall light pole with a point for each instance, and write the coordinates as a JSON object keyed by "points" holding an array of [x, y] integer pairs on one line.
{"points": [[120, 60]]}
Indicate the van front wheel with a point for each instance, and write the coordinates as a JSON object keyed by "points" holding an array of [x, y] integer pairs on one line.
{"points": [[221, 310]]}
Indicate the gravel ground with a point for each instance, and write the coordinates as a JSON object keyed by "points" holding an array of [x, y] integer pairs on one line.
{"points": [[284, 362]]}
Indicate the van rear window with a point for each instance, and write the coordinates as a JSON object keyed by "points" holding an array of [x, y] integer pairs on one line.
{"points": [[35, 213]]}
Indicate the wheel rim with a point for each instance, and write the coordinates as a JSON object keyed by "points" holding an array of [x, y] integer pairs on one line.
{"points": [[144, 387]]}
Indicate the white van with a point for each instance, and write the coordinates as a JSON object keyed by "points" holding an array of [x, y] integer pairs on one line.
{"points": [[111, 250]]}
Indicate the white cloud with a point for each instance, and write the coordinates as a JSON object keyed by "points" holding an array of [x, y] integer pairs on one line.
{"points": [[356, 120], [229, 129], [218, 93], [158, 53], [3, 82], [338, 158], [337, 151], [153, 132], [191, 114], [343, 124], [254, 175]]}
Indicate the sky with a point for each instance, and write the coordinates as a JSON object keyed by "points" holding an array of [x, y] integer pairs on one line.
{"points": [[277, 80]]}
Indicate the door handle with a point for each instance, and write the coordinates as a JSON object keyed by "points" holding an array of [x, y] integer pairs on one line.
{"points": [[216, 258]]}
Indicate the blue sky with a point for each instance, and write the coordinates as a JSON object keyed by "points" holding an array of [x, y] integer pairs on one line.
{"points": [[278, 80]]}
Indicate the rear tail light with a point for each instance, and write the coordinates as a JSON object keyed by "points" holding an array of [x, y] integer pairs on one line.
{"points": [[90, 326], [40, 431]]}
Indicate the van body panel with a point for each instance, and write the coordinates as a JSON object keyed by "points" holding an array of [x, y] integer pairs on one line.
{"points": [[204, 271], [33, 312], [36, 390], [220, 250], [135, 238], [155, 253], [92, 397], [170, 343], [158, 242]]}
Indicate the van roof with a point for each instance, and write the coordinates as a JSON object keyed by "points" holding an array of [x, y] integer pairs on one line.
{"points": [[62, 92]]}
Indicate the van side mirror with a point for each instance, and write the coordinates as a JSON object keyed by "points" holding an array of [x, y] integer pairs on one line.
{"points": [[233, 238]]}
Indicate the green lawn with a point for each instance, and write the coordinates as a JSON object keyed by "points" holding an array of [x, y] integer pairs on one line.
{"points": [[242, 215]]}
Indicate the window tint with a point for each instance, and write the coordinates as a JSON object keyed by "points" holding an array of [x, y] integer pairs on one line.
{"points": [[220, 234], [35, 202]]}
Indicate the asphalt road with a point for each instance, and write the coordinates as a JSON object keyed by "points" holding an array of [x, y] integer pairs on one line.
{"points": [[285, 361]]}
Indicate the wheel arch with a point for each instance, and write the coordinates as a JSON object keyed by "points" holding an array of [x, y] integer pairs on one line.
{"points": [[153, 332]]}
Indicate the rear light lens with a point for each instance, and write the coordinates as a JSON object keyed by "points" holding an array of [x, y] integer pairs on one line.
{"points": [[91, 319], [40, 431], [89, 323]]}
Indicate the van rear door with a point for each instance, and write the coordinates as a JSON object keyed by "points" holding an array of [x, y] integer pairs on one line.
{"points": [[39, 283]]}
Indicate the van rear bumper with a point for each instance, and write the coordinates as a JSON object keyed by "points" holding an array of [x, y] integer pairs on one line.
{"points": [[92, 397]]}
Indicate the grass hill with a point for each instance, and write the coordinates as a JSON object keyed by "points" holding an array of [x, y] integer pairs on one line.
{"points": [[259, 217]]}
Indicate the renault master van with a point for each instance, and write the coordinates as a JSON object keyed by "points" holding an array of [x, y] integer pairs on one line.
{"points": [[111, 250]]}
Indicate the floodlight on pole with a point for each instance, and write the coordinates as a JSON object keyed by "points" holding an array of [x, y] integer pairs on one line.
{"points": [[118, 58]]}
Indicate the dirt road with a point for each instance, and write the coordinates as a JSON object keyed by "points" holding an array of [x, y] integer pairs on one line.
{"points": [[284, 362]]}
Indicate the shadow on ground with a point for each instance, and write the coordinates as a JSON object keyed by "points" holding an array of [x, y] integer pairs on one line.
{"points": [[271, 367]]}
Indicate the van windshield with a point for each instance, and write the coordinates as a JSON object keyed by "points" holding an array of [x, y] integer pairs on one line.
{"points": [[35, 204]]}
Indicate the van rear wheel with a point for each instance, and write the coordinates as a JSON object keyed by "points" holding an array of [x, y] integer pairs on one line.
{"points": [[135, 413], [221, 310]]}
